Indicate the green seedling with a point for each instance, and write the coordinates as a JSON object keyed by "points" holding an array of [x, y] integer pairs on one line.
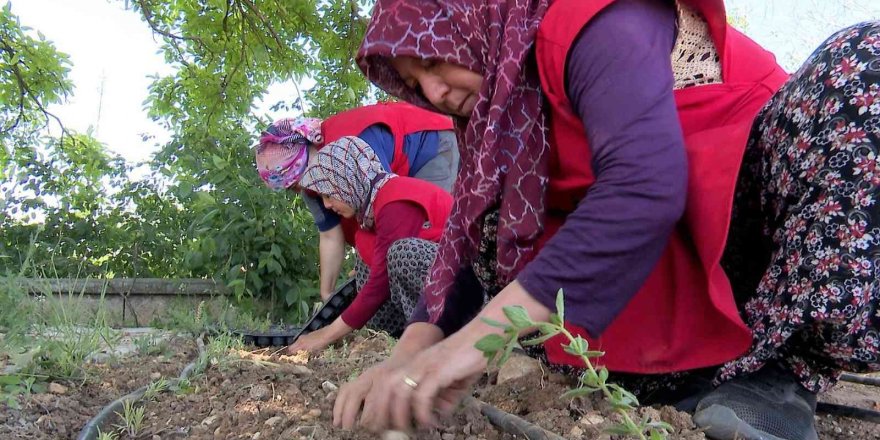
{"points": [[150, 345], [183, 386], [107, 435], [155, 388], [132, 418], [498, 348]]}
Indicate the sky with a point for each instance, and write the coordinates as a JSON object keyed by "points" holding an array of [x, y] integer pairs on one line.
{"points": [[114, 55]]}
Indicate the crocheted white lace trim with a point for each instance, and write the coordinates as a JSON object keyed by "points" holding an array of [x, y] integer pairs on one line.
{"points": [[694, 58]]}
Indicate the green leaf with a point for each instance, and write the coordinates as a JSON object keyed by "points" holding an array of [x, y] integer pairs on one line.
{"points": [[578, 392], [603, 375], [578, 346], [537, 340], [619, 429], [560, 305], [9, 380], [491, 343], [518, 316], [494, 323], [656, 435]]}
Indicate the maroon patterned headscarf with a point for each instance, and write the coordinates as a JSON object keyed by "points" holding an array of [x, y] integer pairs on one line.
{"points": [[503, 144]]}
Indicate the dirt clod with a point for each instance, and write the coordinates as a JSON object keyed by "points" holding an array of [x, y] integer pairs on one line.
{"points": [[519, 366], [57, 388], [260, 392]]}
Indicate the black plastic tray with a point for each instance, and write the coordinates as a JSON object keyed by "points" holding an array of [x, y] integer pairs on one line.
{"points": [[282, 336], [332, 308], [276, 336]]}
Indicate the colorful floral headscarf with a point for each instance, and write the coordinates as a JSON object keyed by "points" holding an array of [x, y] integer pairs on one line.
{"points": [[504, 146], [283, 153], [348, 170]]}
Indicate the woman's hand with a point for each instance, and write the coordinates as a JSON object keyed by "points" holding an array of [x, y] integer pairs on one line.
{"points": [[313, 342], [319, 339], [434, 380], [353, 394], [363, 391]]}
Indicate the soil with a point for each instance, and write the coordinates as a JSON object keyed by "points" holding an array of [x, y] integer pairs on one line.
{"points": [[62, 415], [265, 395]]}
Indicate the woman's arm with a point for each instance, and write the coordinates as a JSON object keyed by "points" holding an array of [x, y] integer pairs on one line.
{"points": [[396, 221], [331, 252], [620, 82]]}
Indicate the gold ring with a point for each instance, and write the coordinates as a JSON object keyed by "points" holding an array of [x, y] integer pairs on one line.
{"points": [[410, 382]]}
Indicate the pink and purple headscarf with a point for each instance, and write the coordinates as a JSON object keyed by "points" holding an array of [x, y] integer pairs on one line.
{"points": [[504, 145], [283, 153]]}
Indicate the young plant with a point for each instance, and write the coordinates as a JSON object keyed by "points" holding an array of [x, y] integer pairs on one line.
{"points": [[150, 345], [183, 386], [155, 388], [497, 348], [132, 418], [107, 435]]}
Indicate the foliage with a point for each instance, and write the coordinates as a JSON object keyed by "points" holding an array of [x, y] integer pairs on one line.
{"points": [[132, 418], [497, 349], [198, 208]]}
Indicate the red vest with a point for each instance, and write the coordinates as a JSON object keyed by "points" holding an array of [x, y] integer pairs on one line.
{"points": [[434, 201], [400, 117], [684, 316]]}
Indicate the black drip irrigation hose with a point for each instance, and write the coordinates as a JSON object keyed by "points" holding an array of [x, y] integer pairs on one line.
{"points": [[864, 380], [852, 412], [511, 423], [90, 430]]}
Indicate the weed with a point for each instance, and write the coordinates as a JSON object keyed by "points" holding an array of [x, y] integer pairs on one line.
{"points": [[107, 435], [132, 418], [155, 388], [13, 386], [150, 345], [183, 386], [218, 352], [497, 349]]}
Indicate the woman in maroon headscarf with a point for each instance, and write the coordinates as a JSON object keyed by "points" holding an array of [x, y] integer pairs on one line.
{"points": [[675, 202]]}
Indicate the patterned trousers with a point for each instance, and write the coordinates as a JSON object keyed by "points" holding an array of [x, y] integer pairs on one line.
{"points": [[409, 260], [804, 243]]}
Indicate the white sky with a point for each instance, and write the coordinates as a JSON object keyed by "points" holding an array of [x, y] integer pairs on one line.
{"points": [[113, 50]]}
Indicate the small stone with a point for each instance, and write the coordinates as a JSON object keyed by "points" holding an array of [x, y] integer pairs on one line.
{"points": [[155, 375], [307, 431], [448, 436], [209, 421], [838, 430], [519, 366], [99, 358], [156, 437], [260, 392], [331, 397], [256, 436], [592, 419], [57, 388], [576, 432], [273, 421], [312, 414], [395, 435], [329, 387], [301, 370]]}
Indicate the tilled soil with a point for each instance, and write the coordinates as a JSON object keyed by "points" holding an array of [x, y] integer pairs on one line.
{"points": [[262, 395], [62, 414], [293, 399]]}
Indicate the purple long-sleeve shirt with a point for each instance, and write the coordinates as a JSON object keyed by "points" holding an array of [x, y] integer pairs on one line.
{"points": [[619, 81]]}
